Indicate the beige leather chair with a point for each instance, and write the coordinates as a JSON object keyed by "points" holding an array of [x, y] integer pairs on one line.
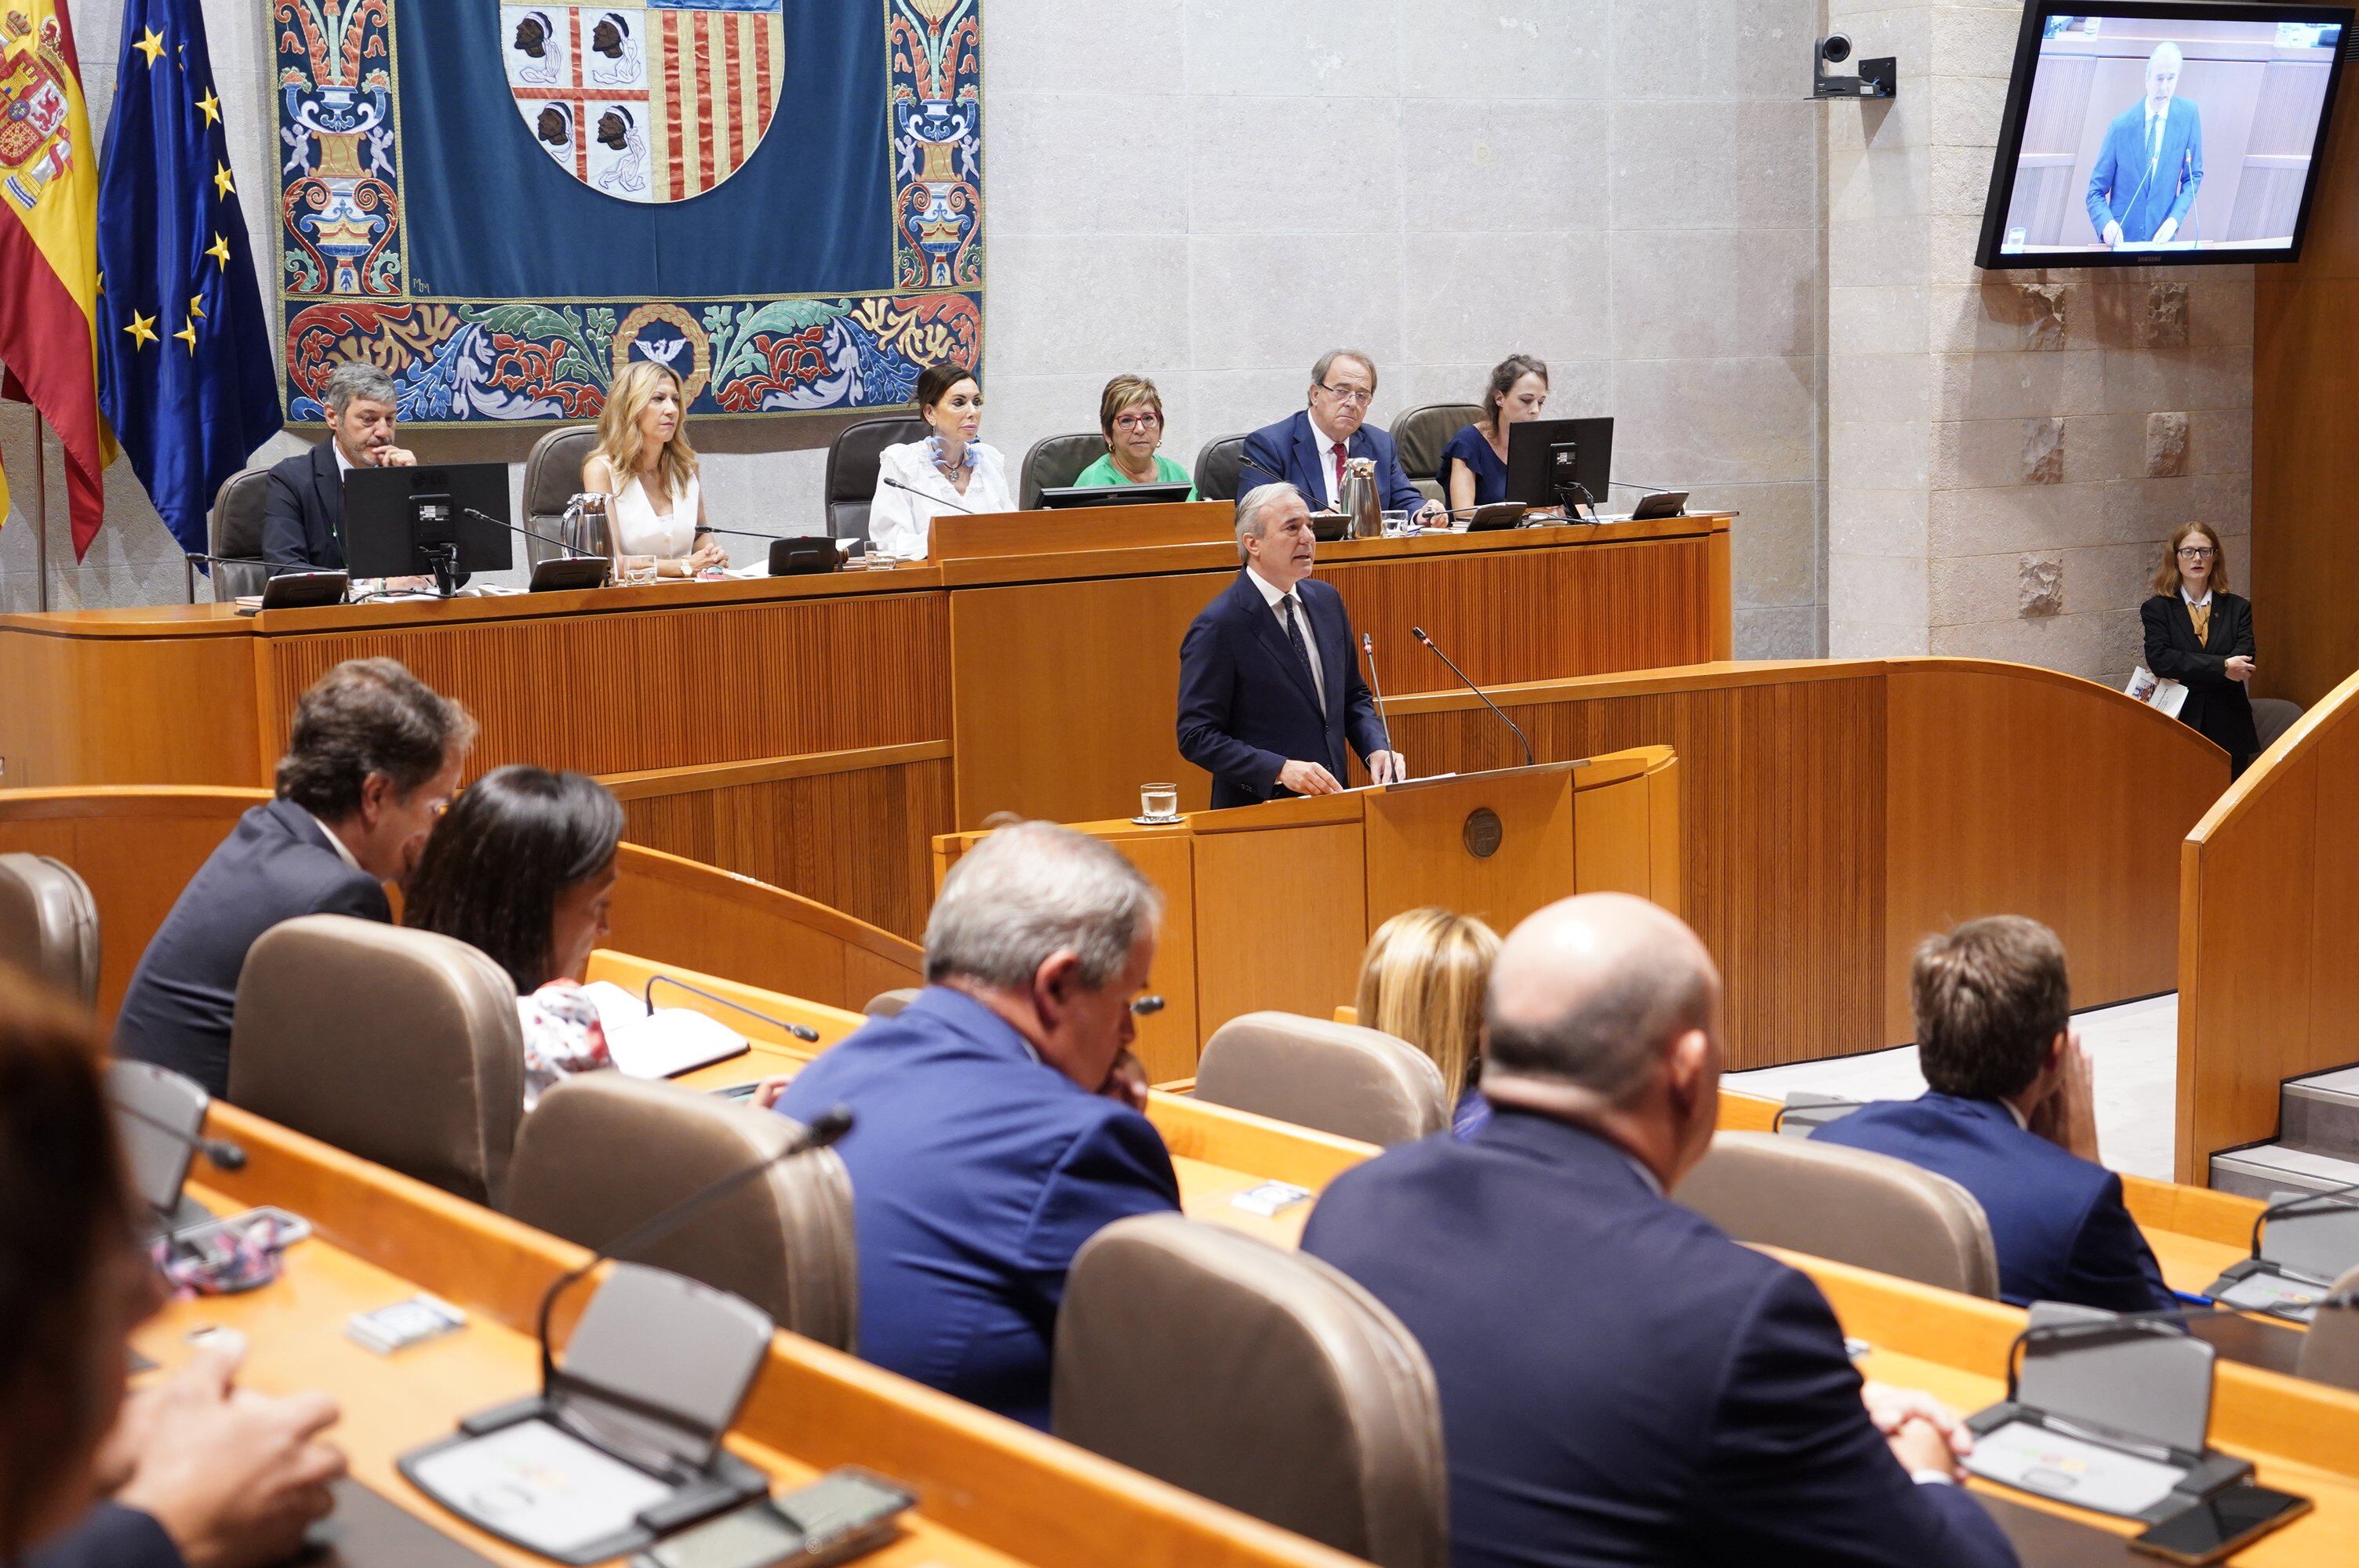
{"points": [[886, 1004], [1261, 1379], [552, 476], [602, 1154], [1052, 462], [1419, 437], [1216, 468], [2330, 1351], [399, 1046], [49, 923], [237, 530], [1845, 1205], [1336, 1077]]}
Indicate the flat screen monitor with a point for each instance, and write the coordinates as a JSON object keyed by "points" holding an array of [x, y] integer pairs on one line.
{"points": [[1534, 475], [397, 520], [1113, 494], [2144, 135]]}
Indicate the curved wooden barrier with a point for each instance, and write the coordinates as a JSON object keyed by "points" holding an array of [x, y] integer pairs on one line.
{"points": [[1834, 812], [2268, 934], [138, 847]]}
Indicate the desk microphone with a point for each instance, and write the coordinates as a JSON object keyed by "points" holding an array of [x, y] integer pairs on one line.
{"points": [[1368, 647], [1418, 633], [571, 553], [249, 561], [224, 1155], [929, 500], [800, 1031], [824, 1129], [1642, 489]]}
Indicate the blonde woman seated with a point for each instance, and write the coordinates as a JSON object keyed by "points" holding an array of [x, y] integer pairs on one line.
{"points": [[1422, 979], [643, 462], [949, 470]]}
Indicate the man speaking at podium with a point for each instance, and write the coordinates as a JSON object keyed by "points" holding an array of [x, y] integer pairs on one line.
{"points": [[1269, 672], [2151, 164]]}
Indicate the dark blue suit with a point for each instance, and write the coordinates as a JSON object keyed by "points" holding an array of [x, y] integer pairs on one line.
{"points": [[1620, 1382], [2133, 187], [1247, 707], [276, 864], [1292, 450], [303, 513], [108, 1536], [977, 1172], [2058, 1220]]}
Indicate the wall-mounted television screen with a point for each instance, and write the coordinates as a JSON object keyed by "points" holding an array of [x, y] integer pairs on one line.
{"points": [[2139, 135]]}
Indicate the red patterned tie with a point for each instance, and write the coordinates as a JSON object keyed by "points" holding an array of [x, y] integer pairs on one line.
{"points": [[1339, 468]]}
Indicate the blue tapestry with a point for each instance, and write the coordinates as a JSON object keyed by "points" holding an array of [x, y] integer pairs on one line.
{"points": [[501, 204]]}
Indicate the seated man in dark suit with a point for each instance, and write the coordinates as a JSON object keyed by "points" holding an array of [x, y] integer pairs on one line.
{"points": [[1269, 672], [2011, 1116], [303, 515], [1620, 1382], [999, 1119], [373, 759], [1308, 449]]}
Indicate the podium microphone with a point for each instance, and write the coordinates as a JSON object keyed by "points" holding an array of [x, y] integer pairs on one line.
{"points": [[824, 1129], [1368, 647], [1435, 648], [928, 500], [224, 1155]]}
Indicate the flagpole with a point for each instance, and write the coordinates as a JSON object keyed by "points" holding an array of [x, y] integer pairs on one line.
{"points": [[41, 509]]}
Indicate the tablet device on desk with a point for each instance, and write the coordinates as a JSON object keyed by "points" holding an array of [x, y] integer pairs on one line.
{"points": [[304, 591], [1328, 527], [1662, 504], [804, 557], [1073, 496], [566, 573]]}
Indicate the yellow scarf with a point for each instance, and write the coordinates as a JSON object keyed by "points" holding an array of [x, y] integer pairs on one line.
{"points": [[2202, 615]]}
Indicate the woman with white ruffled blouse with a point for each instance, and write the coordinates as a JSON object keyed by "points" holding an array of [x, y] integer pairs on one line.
{"points": [[949, 470]]}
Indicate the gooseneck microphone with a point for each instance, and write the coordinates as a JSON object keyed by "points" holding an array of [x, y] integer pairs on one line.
{"points": [[224, 1155], [802, 1032], [824, 1129], [1418, 633], [571, 553], [1368, 647], [929, 500]]}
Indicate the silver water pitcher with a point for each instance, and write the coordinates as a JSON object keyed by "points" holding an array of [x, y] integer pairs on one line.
{"points": [[585, 529], [1358, 499]]}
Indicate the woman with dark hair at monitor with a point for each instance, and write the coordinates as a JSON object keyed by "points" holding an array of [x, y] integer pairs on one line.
{"points": [[522, 869], [948, 471], [1473, 467]]}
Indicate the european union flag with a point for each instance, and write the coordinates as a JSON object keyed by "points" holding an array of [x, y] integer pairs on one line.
{"points": [[186, 370]]}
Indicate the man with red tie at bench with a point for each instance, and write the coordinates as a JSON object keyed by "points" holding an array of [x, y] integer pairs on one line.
{"points": [[1308, 448]]}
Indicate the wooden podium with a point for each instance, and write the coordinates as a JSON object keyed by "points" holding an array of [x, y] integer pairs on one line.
{"points": [[1271, 905]]}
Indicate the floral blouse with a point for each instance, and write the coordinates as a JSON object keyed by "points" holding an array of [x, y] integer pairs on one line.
{"points": [[561, 1036]]}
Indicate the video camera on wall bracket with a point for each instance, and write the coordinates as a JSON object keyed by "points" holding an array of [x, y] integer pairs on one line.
{"points": [[1877, 78]]}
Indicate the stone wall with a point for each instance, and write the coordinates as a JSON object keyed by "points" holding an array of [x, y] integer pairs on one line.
{"points": [[1629, 188], [2006, 451]]}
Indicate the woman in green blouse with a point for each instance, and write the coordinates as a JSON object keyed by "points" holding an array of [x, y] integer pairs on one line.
{"points": [[1131, 414]]}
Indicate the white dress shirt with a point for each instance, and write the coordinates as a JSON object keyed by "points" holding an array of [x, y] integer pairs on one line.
{"points": [[342, 850], [900, 523], [1327, 461], [640, 530], [2193, 602], [1274, 596]]}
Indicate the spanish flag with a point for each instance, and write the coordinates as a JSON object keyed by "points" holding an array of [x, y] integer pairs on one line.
{"points": [[49, 244]]}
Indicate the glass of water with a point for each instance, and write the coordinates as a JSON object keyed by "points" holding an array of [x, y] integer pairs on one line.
{"points": [[1159, 801], [1397, 524]]}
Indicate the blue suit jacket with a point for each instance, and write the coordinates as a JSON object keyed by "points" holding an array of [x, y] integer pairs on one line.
{"points": [[1290, 450], [1620, 1382], [276, 864], [2127, 187], [977, 1172], [1246, 706], [303, 513], [108, 1536], [2058, 1220]]}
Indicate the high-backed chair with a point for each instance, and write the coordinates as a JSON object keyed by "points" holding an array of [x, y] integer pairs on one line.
{"points": [[1216, 468], [2272, 717], [1847, 1206], [2330, 1351], [1336, 1077], [853, 459], [885, 1004], [1419, 437], [399, 1046], [601, 1154], [552, 476], [1261, 1379], [49, 923], [1055, 462], [237, 530]]}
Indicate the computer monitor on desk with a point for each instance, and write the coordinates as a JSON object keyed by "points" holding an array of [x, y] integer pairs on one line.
{"points": [[438, 522], [1111, 495], [1559, 462]]}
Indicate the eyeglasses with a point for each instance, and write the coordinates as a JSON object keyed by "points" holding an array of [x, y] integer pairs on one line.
{"points": [[1347, 393], [1146, 421], [1145, 1006], [2196, 553]]}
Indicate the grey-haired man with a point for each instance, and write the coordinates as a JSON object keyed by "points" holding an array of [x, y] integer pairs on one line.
{"points": [[303, 516]]}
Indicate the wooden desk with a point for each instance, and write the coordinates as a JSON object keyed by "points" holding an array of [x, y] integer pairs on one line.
{"points": [[991, 1492], [816, 732]]}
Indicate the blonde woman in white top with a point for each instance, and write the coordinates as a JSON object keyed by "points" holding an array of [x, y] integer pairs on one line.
{"points": [[643, 462], [949, 470]]}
